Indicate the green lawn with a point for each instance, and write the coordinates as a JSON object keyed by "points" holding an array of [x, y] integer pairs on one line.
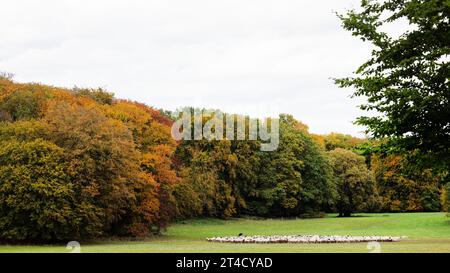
{"points": [[426, 232]]}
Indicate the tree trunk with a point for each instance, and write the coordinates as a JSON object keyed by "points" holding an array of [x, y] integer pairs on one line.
{"points": [[345, 214]]}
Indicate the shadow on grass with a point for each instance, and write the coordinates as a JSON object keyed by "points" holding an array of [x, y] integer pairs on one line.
{"points": [[360, 216], [203, 221]]}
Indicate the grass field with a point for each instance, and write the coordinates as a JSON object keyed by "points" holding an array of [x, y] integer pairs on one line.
{"points": [[426, 232]]}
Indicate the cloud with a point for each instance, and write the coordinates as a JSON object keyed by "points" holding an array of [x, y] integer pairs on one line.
{"points": [[254, 57]]}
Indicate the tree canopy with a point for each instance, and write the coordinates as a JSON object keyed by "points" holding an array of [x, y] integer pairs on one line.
{"points": [[406, 80]]}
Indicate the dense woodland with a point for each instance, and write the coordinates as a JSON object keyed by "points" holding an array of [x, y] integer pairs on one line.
{"points": [[80, 164]]}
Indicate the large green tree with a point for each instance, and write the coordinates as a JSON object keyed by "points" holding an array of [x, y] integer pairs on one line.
{"points": [[406, 79], [355, 183], [295, 179]]}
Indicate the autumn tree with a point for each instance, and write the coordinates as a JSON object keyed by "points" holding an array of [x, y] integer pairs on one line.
{"points": [[36, 196], [403, 189], [114, 170], [102, 159], [40, 199], [151, 135]]}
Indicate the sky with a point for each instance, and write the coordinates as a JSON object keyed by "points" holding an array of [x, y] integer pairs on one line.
{"points": [[255, 57]]}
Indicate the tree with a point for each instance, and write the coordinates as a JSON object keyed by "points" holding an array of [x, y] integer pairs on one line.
{"points": [[152, 138], [36, 196], [406, 80], [102, 161], [158, 163], [355, 183], [206, 167], [294, 180], [403, 189]]}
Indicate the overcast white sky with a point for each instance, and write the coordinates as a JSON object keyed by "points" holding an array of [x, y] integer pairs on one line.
{"points": [[257, 57]]}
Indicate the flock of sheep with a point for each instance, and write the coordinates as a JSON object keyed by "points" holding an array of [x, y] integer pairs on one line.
{"points": [[303, 239]]}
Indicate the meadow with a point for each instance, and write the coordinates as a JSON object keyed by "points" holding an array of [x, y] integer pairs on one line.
{"points": [[426, 232]]}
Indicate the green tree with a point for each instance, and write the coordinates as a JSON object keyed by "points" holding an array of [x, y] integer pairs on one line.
{"points": [[206, 170], [406, 80], [293, 180], [355, 183]]}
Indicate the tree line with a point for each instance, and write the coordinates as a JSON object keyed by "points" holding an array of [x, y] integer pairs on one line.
{"points": [[79, 164]]}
